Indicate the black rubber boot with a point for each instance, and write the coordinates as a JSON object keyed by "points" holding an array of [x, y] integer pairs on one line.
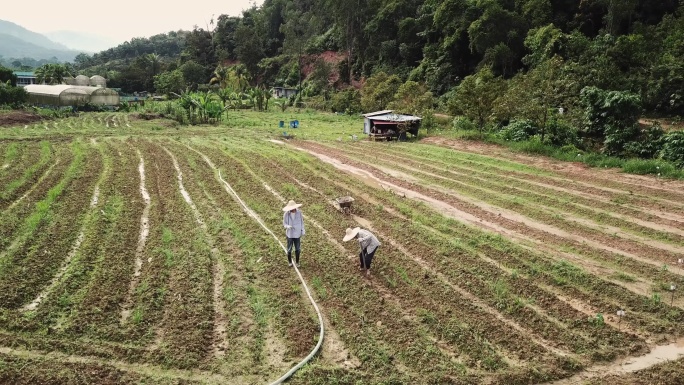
{"points": [[297, 257]]}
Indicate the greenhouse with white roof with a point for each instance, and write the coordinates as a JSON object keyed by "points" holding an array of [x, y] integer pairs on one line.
{"points": [[71, 95]]}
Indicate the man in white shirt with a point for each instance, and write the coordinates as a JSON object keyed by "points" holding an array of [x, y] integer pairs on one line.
{"points": [[293, 221]]}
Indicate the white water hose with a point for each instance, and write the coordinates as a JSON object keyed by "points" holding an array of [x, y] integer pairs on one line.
{"points": [[306, 288]]}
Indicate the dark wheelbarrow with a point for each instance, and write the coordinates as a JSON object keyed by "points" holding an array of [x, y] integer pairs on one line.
{"points": [[345, 204]]}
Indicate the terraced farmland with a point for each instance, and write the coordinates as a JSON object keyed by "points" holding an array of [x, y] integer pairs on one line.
{"points": [[137, 255]]}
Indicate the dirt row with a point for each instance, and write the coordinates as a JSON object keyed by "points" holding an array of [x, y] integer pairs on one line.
{"points": [[582, 197], [27, 271], [610, 179]]}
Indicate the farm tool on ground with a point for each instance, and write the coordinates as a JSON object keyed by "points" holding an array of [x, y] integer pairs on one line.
{"points": [[344, 204]]}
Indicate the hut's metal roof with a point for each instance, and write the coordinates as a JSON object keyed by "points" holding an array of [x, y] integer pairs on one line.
{"points": [[390, 116], [368, 115]]}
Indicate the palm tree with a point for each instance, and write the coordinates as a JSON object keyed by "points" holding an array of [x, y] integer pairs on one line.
{"points": [[239, 76], [52, 73], [221, 75], [267, 95], [226, 95], [154, 62]]}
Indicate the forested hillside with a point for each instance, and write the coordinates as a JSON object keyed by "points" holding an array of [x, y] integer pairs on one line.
{"points": [[634, 45]]}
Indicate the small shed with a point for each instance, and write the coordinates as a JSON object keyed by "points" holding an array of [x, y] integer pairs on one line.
{"points": [[283, 92], [389, 125]]}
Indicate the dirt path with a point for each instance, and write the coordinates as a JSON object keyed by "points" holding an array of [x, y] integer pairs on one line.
{"points": [[657, 220], [659, 354], [142, 239]]}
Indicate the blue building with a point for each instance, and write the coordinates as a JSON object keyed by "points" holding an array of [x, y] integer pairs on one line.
{"points": [[25, 78]]}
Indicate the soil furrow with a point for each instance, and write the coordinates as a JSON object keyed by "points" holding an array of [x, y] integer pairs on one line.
{"points": [[142, 239]]}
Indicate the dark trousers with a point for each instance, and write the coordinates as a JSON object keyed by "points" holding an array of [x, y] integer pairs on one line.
{"points": [[296, 243], [365, 258]]}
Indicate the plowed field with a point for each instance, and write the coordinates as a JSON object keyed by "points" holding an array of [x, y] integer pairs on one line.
{"points": [[155, 256]]}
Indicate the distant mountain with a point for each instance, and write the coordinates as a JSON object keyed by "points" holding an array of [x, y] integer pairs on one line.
{"points": [[14, 47], [18, 42], [9, 28], [81, 41]]}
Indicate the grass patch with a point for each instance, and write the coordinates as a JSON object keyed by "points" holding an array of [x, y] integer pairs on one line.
{"points": [[624, 277]]}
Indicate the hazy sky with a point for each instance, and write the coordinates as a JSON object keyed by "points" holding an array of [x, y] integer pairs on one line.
{"points": [[119, 20]]}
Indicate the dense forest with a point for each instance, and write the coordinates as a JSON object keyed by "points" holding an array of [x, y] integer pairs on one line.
{"points": [[632, 45], [599, 63]]}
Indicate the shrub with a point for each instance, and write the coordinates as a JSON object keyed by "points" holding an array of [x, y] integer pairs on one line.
{"points": [[463, 123], [648, 145], [347, 101], [428, 120], [89, 107], [54, 113], [649, 166], [673, 148], [518, 131], [316, 102], [610, 117], [561, 133], [13, 96], [534, 146]]}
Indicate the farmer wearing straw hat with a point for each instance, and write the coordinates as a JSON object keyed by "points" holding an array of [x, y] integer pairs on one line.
{"points": [[293, 221], [368, 242]]}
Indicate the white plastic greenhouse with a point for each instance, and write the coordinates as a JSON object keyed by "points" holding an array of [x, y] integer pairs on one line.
{"points": [[101, 96], [82, 80], [98, 81], [68, 95], [58, 95]]}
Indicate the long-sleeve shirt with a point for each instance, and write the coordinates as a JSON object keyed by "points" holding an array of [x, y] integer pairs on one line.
{"points": [[297, 223], [367, 240]]}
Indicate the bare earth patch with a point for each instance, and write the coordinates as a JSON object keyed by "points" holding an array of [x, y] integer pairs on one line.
{"points": [[17, 118]]}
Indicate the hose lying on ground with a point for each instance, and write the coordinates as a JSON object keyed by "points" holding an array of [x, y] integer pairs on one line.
{"points": [[306, 288]]}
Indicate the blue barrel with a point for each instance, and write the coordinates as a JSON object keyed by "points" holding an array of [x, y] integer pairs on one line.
{"points": [[281, 124]]}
